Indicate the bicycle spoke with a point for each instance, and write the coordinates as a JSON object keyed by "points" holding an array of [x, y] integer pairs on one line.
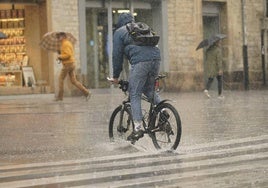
{"points": [[168, 128], [120, 124], [164, 124]]}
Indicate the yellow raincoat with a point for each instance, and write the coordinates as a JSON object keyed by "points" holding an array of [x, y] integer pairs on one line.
{"points": [[67, 52]]}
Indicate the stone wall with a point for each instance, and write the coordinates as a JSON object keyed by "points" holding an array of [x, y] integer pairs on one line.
{"points": [[33, 38], [254, 13], [186, 65], [186, 31], [63, 15]]}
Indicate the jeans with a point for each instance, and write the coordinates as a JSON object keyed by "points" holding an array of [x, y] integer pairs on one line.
{"points": [[141, 81], [210, 80], [69, 69]]}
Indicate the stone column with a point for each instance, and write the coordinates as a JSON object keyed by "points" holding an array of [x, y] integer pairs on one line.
{"points": [[63, 16]]}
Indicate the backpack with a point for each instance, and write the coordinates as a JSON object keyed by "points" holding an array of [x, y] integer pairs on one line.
{"points": [[142, 34]]}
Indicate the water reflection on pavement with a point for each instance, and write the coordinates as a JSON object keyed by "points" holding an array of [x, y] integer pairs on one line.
{"points": [[34, 128]]}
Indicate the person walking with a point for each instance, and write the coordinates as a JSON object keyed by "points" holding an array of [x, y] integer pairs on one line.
{"points": [[66, 56], [214, 67], [145, 63]]}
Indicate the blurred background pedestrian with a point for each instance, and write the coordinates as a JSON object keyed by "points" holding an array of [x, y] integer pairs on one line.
{"points": [[66, 56], [214, 67]]}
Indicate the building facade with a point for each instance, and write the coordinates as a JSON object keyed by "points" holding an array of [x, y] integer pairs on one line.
{"points": [[192, 20], [181, 24]]}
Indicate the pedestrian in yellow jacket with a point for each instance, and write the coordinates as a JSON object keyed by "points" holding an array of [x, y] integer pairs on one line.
{"points": [[66, 56]]}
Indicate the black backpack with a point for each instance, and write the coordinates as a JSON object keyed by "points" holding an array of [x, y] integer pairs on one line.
{"points": [[142, 34]]}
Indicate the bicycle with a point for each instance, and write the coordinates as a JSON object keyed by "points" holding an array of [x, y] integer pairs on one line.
{"points": [[162, 122]]}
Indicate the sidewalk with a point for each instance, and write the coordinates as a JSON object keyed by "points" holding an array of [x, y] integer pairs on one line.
{"points": [[35, 128]]}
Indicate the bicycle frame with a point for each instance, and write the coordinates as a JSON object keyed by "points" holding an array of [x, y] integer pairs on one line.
{"points": [[144, 98], [160, 121]]}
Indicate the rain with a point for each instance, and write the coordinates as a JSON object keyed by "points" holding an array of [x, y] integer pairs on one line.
{"points": [[68, 143]]}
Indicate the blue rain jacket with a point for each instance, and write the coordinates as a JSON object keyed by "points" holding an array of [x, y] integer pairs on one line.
{"points": [[123, 45]]}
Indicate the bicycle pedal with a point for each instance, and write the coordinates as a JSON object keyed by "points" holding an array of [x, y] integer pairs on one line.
{"points": [[133, 142], [121, 129]]}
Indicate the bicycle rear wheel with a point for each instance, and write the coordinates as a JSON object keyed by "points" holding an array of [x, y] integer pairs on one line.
{"points": [[120, 125], [166, 133]]}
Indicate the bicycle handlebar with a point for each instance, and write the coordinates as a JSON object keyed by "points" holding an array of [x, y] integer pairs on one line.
{"points": [[160, 76], [123, 85]]}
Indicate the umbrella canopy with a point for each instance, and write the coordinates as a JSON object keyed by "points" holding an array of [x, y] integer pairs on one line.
{"points": [[2, 35], [210, 41], [50, 41]]}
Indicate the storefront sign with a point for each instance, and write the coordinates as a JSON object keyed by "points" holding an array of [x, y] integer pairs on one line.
{"points": [[28, 76]]}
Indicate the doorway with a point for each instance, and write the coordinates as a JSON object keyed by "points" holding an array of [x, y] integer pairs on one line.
{"points": [[97, 46], [98, 43], [100, 19], [210, 27]]}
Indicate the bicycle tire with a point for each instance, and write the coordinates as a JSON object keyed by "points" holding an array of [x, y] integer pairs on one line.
{"points": [[164, 128], [114, 123]]}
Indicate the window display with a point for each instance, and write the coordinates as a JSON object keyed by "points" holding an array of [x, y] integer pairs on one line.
{"points": [[13, 48]]}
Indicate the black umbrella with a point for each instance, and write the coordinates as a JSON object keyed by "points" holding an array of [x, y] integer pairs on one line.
{"points": [[2, 35], [210, 41]]}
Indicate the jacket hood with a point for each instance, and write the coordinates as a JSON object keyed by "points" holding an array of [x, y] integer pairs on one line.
{"points": [[124, 19]]}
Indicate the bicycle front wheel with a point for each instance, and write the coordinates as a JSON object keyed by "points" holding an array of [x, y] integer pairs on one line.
{"points": [[166, 133], [120, 125]]}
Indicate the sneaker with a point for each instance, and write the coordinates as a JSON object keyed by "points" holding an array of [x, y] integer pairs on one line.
{"points": [[58, 99], [135, 135], [206, 93], [221, 97], [88, 96]]}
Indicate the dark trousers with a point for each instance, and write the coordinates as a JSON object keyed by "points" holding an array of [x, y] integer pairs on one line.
{"points": [[210, 80]]}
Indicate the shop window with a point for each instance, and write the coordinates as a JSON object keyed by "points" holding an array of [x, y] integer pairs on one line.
{"points": [[12, 47]]}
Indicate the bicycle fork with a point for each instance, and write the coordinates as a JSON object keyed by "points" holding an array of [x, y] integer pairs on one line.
{"points": [[121, 127]]}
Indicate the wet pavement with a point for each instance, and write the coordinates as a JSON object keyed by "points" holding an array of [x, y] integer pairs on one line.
{"points": [[35, 129]]}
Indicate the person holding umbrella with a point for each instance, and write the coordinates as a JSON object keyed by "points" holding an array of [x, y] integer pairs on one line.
{"points": [[214, 60], [214, 67], [66, 56]]}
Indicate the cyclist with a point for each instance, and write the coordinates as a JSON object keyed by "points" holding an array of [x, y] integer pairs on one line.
{"points": [[144, 61]]}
